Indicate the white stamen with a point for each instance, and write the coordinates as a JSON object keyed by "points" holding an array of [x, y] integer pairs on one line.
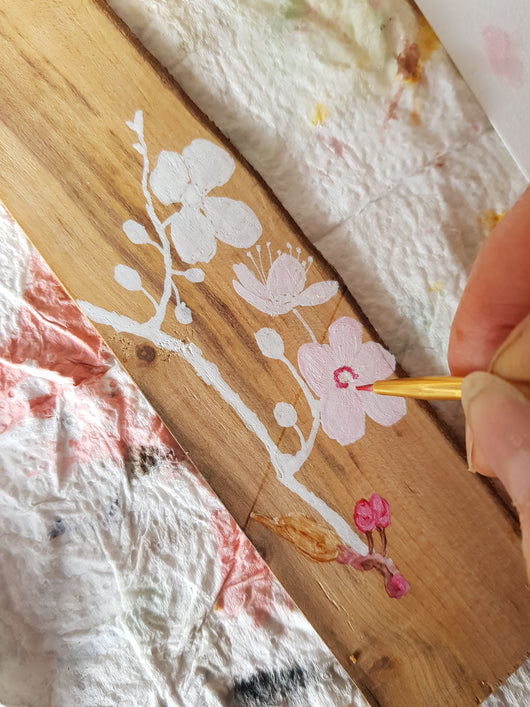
{"points": [[258, 271], [270, 254], [260, 262]]}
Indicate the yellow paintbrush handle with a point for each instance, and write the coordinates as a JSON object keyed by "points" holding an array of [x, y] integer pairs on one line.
{"points": [[427, 388]]}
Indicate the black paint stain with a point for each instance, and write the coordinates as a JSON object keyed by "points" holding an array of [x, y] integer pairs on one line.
{"points": [[268, 688], [114, 507], [58, 528], [141, 462], [146, 353]]}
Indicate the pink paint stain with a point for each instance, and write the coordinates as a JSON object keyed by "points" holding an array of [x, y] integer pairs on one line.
{"points": [[246, 581], [502, 55], [335, 146]]}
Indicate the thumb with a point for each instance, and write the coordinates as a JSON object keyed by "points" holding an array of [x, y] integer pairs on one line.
{"points": [[498, 439]]}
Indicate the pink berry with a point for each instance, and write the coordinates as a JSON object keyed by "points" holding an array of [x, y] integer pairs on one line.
{"points": [[397, 586], [363, 516], [381, 510]]}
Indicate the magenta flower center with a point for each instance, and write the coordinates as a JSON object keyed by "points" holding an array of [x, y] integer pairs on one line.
{"points": [[343, 376]]}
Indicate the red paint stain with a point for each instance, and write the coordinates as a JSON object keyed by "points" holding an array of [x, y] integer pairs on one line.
{"points": [[52, 331], [54, 343]]}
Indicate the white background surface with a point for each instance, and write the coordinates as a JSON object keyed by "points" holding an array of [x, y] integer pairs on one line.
{"points": [[460, 26]]}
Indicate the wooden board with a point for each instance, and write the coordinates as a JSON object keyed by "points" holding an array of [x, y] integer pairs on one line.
{"points": [[70, 79]]}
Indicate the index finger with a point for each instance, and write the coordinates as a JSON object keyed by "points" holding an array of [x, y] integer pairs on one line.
{"points": [[497, 295]]}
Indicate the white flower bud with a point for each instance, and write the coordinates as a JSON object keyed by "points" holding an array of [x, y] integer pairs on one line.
{"points": [[285, 415], [183, 313], [270, 343], [127, 278], [135, 232], [194, 275]]}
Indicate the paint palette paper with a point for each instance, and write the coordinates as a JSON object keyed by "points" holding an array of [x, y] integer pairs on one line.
{"points": [[254, 354], [488, 41]]}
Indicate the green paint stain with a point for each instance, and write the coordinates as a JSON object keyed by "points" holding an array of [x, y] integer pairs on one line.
{"points": [[295, 9]]}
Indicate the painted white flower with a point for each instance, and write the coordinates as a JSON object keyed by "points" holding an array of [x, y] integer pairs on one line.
{"points": [[283, 287], [187, 179]]}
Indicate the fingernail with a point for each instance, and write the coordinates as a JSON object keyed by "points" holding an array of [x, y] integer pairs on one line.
{"points": [[498, 418], [469, 449], [511, 361], [472, 387]]}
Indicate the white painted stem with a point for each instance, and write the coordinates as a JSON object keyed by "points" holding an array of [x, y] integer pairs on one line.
{"points": [[306, 325], [285, 465], [314, 405], [165, 246]]}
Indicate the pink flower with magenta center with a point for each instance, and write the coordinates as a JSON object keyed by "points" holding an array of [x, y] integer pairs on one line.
{"points": [[337, 370], [281, 289]]}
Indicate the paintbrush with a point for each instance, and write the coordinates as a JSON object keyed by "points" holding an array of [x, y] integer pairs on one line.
{"points": [[425, 388], [431, 387]]}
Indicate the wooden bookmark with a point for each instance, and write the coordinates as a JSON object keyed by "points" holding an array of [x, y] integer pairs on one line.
{"points": [[253, 353]]}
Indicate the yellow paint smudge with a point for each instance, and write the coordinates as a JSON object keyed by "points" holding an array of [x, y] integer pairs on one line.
{"points": [[436, 287], [319, 114], [314, 541], [415, 118], [490, 218], [426, 39]]}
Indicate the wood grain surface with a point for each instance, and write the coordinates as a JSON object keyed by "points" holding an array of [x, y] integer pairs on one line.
{"points": [[70, 78]]}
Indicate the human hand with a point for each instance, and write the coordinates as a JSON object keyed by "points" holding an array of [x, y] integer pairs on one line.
{"points": [[493, 313]]}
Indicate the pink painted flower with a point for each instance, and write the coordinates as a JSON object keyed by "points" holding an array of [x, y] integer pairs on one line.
{"points": [[282, 288], [335, 371], [397, 586]]}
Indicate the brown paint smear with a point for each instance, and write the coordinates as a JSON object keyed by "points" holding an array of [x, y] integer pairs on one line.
{"points": [[316, 542], [411, 61]]}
